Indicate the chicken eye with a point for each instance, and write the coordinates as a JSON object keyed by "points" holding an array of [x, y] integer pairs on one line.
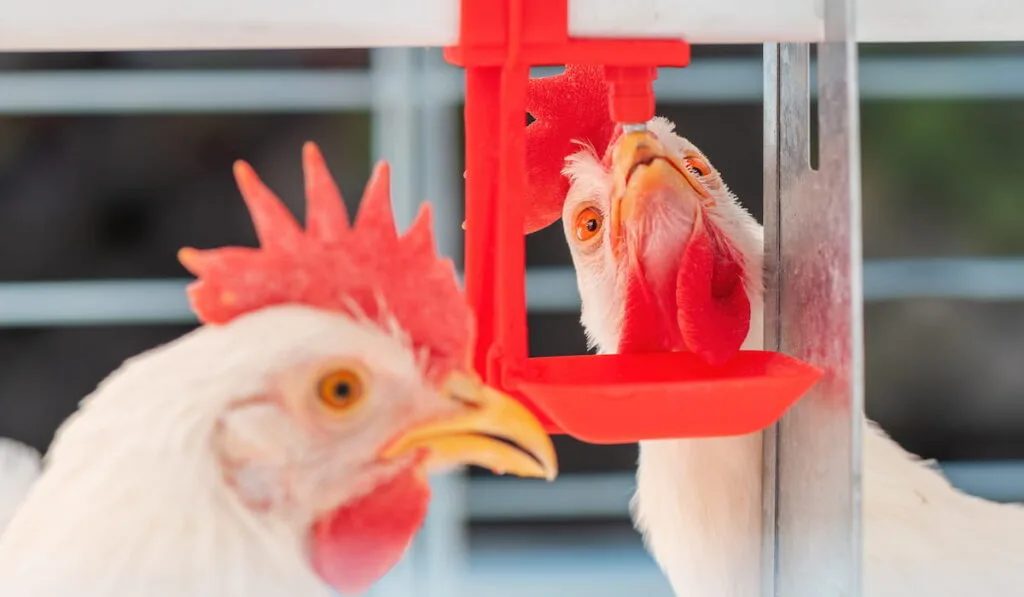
{"points": [[588, 224], [341, 389], [697, 166]]}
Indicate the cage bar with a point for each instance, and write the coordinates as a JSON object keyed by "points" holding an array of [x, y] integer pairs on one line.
{"points": [[813, 310]]}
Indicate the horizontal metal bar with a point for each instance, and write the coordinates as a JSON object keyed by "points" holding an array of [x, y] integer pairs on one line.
{"points": [[185, 91], [977, 77], [121, 302], [995, 76], [998, 480], [99, 25], [94, 302], [607, 495], [539, 569], [572, 497], [549, 290], [982, 279], [963, 77]]}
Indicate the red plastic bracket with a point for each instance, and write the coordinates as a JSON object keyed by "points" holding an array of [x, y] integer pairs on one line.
{"points": [[600, 399]]}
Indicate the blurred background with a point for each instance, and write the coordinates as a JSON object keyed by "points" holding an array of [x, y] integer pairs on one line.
{"points": [[110, 162]]}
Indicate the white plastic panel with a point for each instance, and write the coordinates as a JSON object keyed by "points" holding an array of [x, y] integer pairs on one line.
{"points": [[720, 21], [210, 24], [757, 21], [66, 25]]}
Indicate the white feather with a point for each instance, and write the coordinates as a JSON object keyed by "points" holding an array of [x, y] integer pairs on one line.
{"points": [[132, 500], [19, 468], [698, 501]]}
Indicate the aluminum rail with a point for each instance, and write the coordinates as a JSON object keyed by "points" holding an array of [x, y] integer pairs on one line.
{"points": [[100, 25], [812, 488], [263, 91], [588, 496], [549, 290]]}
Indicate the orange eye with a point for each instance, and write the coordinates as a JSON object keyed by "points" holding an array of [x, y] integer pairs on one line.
{"points": [[588, 224], [341, 389], [697, 166]]}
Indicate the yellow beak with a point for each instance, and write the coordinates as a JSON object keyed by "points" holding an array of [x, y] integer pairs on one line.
{"points": [[642, 167], [491, 430]]}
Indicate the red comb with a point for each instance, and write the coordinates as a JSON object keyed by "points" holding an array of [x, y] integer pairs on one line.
{"points": [[568, 108], [363, 270]]}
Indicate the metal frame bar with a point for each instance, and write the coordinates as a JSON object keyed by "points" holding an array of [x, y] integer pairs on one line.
{"points": [[443, 556], [392, 136], [812, 457], [606, 495], [416, 133], [549, 289], [72, 25], [771, 173], [720, 80]]}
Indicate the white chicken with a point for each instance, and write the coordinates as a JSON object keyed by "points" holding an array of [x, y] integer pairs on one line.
{"points": [[667, 259], [282, 448]]}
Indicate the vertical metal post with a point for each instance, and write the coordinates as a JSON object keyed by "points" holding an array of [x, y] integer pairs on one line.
{"points": [[813, 311], [769, 438], [414, 127], [393, 137], [395, 95], [445, 535], [440, 149]]}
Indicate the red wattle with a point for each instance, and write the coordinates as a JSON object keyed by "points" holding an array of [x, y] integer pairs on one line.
{"points": [[714, 310], [643, 328], [357, 544]]}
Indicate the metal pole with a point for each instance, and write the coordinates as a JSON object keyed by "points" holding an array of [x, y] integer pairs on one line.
{"points": [[392, 137], [394, 85], [812, 488], [415, 128], [769, 439], [445, 536]]}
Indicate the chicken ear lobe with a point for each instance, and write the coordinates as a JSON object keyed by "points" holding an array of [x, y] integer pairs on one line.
{"points": [[713, 306]]}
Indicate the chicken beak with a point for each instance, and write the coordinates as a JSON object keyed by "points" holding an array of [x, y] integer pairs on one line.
{"points": [[643, 168], [490, 430]]}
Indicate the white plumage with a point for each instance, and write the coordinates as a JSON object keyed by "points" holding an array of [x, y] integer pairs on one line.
{"points": [[131, 501], [198, 468], [698, 501]]}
